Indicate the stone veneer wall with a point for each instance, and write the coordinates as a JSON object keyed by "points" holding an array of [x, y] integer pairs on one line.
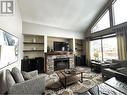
{"points": [[50, 62]]}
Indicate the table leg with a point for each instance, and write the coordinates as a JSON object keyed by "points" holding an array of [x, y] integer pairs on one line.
{"points": [[81, 77], [65, 82], [91, 67]]}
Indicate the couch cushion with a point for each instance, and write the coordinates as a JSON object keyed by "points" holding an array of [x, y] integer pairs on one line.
{"points": [[29, 75], [9, 79], [17, 75], [123, 63], [114, 66]]}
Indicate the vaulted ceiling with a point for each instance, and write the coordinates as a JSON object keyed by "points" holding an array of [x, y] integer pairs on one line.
{"points": [[73, 15]]}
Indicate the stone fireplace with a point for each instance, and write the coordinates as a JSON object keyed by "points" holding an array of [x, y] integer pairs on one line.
{"points": [[58, 60]]}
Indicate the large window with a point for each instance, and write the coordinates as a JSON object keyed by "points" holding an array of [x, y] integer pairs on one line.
{"points": [[104, 49], [95, 50], [109, 48], [120, 7], [103, 23]]}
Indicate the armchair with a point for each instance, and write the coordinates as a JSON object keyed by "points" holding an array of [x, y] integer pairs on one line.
{"points": [[35, 85]]}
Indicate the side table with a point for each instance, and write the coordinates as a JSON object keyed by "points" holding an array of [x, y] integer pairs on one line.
{"points": [[96, 66]]}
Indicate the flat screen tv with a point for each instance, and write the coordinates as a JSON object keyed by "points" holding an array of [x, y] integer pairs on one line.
{"points": [[8, 48], [59, 45]]}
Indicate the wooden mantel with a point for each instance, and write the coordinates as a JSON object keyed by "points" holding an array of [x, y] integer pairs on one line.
{"points": [[58, 53]]}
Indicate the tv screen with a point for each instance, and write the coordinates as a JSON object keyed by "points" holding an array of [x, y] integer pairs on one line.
{"points": [[59, 45]]}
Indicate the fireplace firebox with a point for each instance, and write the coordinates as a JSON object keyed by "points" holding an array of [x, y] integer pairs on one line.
{"points": [[61, 63]]}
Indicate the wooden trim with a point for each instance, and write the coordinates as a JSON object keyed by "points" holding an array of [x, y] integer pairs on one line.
{"points": [[32, 50], [98, 16], [32, 43], [107, 31], [58, 53]]}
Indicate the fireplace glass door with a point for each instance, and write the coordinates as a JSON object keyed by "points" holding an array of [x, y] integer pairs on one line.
{"points": [[61, 63]]}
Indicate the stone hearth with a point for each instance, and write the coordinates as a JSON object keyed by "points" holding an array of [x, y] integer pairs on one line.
{"points": [[49, 60]]}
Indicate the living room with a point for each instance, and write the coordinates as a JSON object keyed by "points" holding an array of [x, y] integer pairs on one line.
{"points": [[63, 47]]}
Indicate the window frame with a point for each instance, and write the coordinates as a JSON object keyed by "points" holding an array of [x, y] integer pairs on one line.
{"points": [[98, 20], [101, 39]]}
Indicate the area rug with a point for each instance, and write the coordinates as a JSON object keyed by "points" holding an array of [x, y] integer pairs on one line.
{"points": [[90, 79]]}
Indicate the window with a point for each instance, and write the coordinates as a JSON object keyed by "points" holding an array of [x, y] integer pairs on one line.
{"points": [[110, 48], [95, 50], [104, 49], [102, 24], [119, 11]]}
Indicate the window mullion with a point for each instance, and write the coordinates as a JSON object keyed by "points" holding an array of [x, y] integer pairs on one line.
{"points": [[111, 16], [102, 49]]}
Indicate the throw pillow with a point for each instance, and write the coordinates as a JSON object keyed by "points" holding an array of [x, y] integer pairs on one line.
{"points": [[17, 75], [29, 75], [33, 73], [26, 75], [9, 79]]}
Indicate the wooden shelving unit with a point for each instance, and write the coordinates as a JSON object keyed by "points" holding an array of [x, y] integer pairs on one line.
{"points": [[79, 46], [33, 46], [32, 43], [32, 50]]}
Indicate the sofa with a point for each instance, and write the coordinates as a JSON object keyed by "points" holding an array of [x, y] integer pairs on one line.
{"points": [[24, 82], [113, 68], [113, 86]]}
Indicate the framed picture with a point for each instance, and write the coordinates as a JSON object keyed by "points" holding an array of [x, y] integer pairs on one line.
{"points": [[8, 48]]}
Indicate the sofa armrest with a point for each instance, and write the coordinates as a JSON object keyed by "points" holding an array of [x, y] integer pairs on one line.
{"points": [[108, 73], [32, 86]]}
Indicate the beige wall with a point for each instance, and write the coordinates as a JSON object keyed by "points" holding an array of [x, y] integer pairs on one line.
{"points": [[13, 25], [37, 29]]}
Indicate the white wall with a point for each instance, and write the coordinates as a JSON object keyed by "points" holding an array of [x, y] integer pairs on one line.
{"points": [[38, 29], [13, 25]]}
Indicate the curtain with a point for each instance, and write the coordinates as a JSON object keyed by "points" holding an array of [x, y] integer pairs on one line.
{"points": [[121, 34], [87, 50]]}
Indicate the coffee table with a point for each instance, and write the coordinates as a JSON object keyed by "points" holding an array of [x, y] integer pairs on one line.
{"points": [[67, 79]]}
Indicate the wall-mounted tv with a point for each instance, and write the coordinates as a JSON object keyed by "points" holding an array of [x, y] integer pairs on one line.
{"points": [[8, 48], [58, 46]]}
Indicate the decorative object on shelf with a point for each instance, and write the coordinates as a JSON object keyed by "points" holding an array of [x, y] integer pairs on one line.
{"points": [[48, 49], [26, 57], [67, 46], [34, 40], [63, 48], [70, 71], [34, 48], [52, 50]]}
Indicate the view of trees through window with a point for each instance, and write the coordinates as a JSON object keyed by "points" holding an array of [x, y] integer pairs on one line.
{"points": [[95, 50], [104, 49]]}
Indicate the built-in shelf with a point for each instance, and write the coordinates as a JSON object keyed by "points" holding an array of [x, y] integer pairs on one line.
{"points": [[32, 43], [79, 49], [33, 46], [33, 50], [79, 44]]}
